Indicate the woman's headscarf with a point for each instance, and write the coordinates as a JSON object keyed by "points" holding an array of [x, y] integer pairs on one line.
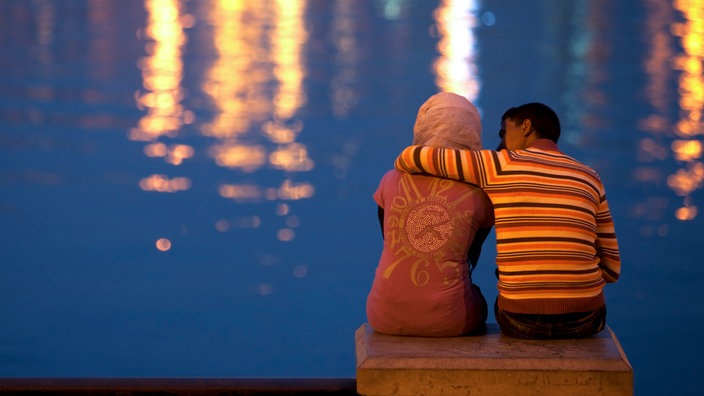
{"points": [[448, 120]]}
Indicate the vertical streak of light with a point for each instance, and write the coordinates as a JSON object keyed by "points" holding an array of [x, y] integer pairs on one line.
{"points": [[162, 71], [287, 40], [236, 82], [256, 84], [456, 67], [691, 89], [691, 82]]}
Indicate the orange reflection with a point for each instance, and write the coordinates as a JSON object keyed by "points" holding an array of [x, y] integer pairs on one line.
{"points": [[292, 157], [663, 29], [174, 154], [161, 183], [294, 191], [241, 156], [256, 85], [688, 149], [235, 82], [257, 48], [687, 212], [456, 68], [686, 180], [162, 71], [287, 39]]}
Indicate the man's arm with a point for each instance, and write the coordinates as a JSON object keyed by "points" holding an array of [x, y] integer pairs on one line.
{"points": [[607, 244], [441, 162]]}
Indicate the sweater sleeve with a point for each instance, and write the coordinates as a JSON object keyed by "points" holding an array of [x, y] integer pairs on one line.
{"points": [[607, 244], [437, 161]]}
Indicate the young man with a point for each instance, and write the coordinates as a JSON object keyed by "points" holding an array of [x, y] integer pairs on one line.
{"points": [[555, 239], [433, 230]]}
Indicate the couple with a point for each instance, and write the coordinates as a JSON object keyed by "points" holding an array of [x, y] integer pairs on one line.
{"points": [[555, 240]]}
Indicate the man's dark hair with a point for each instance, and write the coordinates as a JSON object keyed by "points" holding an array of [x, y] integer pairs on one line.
{"points": [[543, 119]]}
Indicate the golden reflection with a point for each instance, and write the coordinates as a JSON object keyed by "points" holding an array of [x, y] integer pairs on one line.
{"points": [[663, 28], [256, 49], [687, 212], [294, 191], [173, 154], [287, 39], [161, 183], [688, 148], [256, 85], [244, 157], [688, 179], [235, 82], [162, 72], [456, 67], [292, 157]]}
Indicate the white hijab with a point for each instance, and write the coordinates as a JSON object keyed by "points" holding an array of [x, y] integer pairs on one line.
{"points": [[448, 120]]}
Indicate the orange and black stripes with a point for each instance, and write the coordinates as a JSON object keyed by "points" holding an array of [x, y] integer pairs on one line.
{"points": [[556, 243]]}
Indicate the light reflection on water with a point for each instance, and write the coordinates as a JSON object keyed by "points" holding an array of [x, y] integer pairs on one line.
{"points": [[200, 172]]}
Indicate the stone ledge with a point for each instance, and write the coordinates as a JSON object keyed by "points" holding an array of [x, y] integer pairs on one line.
{"points": [[490, 364]]}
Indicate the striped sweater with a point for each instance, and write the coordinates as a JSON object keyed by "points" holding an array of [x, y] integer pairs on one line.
{"points": [[555, 239]]}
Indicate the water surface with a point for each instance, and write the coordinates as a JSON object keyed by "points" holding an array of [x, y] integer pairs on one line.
{"points": [[185, 187]]}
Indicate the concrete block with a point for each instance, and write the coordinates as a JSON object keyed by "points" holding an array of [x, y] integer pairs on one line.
{"points": [[490, 364]]}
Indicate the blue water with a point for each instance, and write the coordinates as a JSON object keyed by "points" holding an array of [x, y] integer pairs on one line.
{"points": [[185, 187]]}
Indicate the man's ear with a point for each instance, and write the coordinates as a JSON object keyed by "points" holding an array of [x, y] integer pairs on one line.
{"points": [[526, 127]]}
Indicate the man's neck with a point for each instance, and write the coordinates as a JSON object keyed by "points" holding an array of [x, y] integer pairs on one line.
{"points": [[543, 144]]}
